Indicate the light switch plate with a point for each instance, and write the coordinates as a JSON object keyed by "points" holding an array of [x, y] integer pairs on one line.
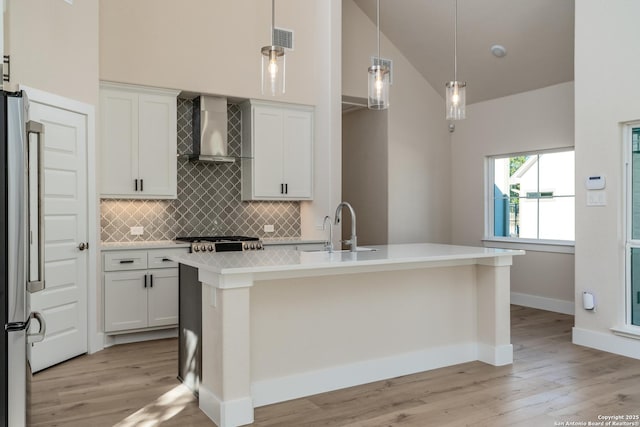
{"points": [[596, 198], [136, 231], [269, 228]]}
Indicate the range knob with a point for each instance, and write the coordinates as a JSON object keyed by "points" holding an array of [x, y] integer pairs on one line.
{"points": [[246, 246], [203, 248], [210, 248], [259, 246], [253, 246], [196, 248]]}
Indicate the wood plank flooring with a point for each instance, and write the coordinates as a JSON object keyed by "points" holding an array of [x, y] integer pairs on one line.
{"points": [[551, 382]]}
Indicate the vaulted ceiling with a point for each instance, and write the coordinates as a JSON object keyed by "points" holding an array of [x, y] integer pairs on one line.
{"points": [[538, 36]]}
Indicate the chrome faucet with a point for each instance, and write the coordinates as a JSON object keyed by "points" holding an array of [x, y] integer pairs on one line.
{"points": [[328, 246], [353, 241]]}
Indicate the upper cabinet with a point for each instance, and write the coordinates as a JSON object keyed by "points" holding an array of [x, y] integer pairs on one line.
{"points": [[277, 151], [138, 142]]}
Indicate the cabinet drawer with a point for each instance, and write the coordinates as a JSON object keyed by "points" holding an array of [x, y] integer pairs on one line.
{"points": [[159, 258], [125, 260]]}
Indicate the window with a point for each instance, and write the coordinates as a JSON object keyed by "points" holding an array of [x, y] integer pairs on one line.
{"points": [[633, 227], [532, 197]]}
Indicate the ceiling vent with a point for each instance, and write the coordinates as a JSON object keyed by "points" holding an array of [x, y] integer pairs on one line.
{"points": [[384, 62], [282, 37]]}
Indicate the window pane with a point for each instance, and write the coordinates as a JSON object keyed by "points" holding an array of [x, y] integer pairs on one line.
{"points": [[635, 184], [635, 286], [557, 218]]}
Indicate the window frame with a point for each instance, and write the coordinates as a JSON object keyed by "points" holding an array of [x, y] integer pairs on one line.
{"points": [[629, 329], [489, 239]]}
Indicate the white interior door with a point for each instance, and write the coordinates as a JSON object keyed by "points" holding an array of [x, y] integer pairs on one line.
{"points": [[64, 300]]}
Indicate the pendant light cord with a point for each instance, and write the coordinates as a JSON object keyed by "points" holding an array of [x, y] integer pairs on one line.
{"points": [[455, 44], [273, 19], [378, 20]]}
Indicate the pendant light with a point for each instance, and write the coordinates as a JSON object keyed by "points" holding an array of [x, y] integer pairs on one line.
{"points": [[455, 95], [273, 63], [378, 78]]}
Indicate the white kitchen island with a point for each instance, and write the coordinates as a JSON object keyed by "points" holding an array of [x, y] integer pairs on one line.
{"points": [[282, 324]]}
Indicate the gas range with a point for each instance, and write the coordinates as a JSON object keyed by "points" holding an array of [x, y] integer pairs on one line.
{"points": [[222, 243]]}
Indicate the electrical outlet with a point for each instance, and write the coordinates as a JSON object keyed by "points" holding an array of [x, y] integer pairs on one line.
{"points": [[269, 228], [136, 231]]}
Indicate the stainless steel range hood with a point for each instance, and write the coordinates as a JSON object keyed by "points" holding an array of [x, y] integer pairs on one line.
{"points": [[210, 130]]}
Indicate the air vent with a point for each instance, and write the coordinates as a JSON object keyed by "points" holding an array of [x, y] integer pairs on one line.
{"points": [[384, 62], [282, 37]]}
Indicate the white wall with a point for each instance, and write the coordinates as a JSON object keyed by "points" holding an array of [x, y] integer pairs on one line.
{"points": [[607, 65], [535, 120], [54, 46], [419, 156], [365, 175], [207, 46], [327, 84]]}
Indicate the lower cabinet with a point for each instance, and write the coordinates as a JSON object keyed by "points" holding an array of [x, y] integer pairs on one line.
{"points": [[140, 291], [140, 299]]}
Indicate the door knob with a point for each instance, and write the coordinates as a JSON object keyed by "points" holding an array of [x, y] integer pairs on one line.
{"points": [[82, 246]]}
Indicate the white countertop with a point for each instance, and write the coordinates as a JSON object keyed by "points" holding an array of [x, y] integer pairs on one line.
{"points": [[289, 263], [159, 244]]}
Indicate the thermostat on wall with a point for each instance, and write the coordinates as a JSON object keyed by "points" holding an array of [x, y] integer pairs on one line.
{"points": [[595, 182]]}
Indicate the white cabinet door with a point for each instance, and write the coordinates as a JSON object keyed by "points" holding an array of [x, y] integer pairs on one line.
{"points": [[157, 149], [162, 296], [118, 141], [297, 155], [267, 152], [125, 300], [277, 152], [138, 140]]}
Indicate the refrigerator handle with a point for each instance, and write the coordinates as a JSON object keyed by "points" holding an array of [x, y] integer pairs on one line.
{"points": [[24, 326], [38, 129], [37, 336]]}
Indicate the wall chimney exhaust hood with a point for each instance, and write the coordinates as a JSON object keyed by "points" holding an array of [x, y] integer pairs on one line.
{"points": [[210, 130]]}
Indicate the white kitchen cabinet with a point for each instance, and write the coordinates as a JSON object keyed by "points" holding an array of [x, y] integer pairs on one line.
{"points": [[138, 142], [277, 151], [140, 290], [125, 301]]}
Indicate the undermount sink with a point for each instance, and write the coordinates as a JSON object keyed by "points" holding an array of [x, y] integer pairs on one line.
{"points": [[358, 249]]}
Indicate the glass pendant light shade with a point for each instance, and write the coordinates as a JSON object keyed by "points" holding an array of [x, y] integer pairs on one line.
{"points": [[378, 87], [456, 100], [273, 70]]}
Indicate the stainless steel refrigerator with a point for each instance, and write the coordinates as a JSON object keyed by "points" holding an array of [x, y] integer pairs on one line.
{"points": [[22, 257]]}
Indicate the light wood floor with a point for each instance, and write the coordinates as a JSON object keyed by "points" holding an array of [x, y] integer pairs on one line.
{"points": [[551, 381]]}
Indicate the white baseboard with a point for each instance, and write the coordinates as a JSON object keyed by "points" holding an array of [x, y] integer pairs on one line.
{"points": [[496, 356], [275, 390], [611, 343], [237, 412], [159, 334], [543, 303]]}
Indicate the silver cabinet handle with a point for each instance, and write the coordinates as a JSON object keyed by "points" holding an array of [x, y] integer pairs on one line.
{"points": [[37, 336], [38, 129]]}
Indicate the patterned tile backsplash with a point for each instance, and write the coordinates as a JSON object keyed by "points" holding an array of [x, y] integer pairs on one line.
{"points": [[208, 200]]}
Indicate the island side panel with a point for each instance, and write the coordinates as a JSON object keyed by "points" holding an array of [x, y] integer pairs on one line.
{"points": [[494, 320], [314, 334], [225, 391]]}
